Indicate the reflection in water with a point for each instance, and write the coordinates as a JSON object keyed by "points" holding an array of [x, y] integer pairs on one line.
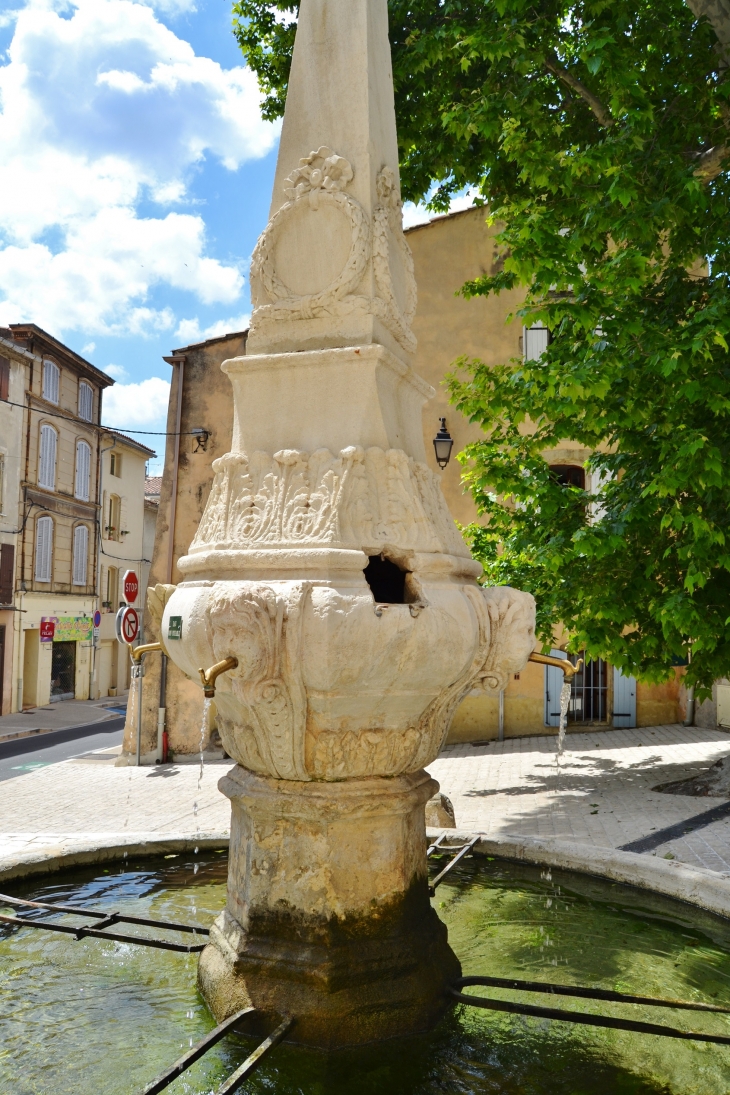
{"points": [[96, 1018]]}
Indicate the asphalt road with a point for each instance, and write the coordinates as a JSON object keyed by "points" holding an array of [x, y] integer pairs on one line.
{"points": [[22, 755]]}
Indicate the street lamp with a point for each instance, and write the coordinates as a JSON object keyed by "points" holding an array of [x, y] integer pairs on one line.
{"points": [[443, 443]]}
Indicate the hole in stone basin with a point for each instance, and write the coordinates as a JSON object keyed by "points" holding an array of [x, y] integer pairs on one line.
{"points": [[386, 580]]}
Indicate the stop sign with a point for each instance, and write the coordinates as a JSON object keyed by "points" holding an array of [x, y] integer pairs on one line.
{"points": [[130, 586]]}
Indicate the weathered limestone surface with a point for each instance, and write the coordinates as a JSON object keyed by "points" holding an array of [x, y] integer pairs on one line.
{"points": [[328, 917], [328, 565]]}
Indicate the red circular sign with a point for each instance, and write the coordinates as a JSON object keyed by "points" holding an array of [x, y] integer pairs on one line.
{"points": [[130, 625], [130, 586]]}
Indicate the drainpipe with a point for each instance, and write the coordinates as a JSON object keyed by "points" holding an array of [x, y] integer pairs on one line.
{"points": [[162, 737], [690, 716], [100, 534]]}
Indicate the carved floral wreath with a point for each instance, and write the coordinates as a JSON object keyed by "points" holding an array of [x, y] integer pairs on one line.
{"points": [[320, 177]]}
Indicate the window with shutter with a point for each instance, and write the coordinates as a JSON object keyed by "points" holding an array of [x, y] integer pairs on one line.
{"points": [[83, 470], [114, 517], [47, 460], [4, 378], [535, 342], [7, 573], [81, 554], [51, 374], [43, 549], [112, 587], [86, 401]]}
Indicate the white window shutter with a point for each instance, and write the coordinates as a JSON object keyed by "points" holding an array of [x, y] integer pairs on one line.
{"points": [[123, 516], [43, 549], [535, 342], [47, 459], [86, 401], [81, 554], [50, 381], [83, 470]]}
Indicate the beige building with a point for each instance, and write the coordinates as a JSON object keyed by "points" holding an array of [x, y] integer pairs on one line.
{"points": [[124, 544], [55, 510], [15, 363], [447, 251]]}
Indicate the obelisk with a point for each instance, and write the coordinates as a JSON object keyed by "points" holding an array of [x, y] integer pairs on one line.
{"points": [[328, 566]]}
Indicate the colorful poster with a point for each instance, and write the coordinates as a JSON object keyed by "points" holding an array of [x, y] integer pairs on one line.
{"points": [[67, 629]]}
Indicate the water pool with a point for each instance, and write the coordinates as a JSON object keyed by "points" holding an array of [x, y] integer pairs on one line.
{"points": [[103, 1018]]}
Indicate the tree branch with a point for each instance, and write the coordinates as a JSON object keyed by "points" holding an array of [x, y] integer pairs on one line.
{"points": [[601, 113], [711, 162], [717, 14]]}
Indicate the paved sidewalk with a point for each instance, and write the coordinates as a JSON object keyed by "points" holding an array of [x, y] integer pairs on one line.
{"points": [[601, 797], [59, 716]]}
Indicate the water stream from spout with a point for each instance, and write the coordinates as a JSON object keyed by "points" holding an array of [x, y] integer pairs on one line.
{"points": [[564, 705], [203, 732]]}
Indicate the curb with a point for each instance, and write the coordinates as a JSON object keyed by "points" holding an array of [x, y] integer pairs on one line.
{"points": [[693, 885], [698, 886], [70, 852], [31, 741]]}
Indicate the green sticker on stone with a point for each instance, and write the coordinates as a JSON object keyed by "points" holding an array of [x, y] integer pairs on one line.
{"points": [[174, 627]]}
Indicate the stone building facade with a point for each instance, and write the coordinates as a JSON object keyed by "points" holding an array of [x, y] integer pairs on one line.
{"points": [[123, 545], [55, 510]]}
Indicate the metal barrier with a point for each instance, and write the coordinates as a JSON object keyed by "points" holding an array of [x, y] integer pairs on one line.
{"points": [[194, 1054], [104, 920], [586, 1019], [461, 851]]}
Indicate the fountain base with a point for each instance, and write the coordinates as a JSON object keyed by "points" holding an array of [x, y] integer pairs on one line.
{"points": [[302, 934]]}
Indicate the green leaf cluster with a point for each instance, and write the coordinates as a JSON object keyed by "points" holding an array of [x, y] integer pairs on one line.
{"points": [[595, 133]]}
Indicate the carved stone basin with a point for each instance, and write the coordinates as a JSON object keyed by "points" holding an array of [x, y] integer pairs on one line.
{"points": [[330, 685]]}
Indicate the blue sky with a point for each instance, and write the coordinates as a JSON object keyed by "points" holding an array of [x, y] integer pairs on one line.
{"points": [[135, 178]]}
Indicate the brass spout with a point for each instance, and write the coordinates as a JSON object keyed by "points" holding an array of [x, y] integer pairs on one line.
{"points": [[208, 676], [138, 651], [567, 667]]}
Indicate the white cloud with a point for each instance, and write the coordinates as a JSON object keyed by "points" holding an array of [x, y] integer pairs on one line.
{"points": [[120, 109], [88, 348], [142, 405], [418, 214], [190, 331], [117, 371]]}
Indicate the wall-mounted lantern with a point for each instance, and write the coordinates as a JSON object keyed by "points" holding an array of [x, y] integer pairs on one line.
{"points": [[443, 443], [201, 439]]}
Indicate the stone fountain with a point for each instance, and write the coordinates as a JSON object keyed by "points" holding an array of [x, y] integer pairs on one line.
{"points": [[328, 566]]}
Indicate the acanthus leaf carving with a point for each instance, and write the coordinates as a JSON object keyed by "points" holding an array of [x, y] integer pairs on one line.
{"points": [[358, 498], [263, 626]]}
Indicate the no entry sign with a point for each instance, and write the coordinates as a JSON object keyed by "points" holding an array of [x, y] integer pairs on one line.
{"points": [[127, 625], [130, 585]]}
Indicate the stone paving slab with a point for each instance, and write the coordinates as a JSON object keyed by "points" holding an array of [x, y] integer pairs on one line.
{"points": [[80, 801], [602, 796]]}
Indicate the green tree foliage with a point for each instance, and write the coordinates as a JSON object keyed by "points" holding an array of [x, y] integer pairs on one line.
{"points": [[597, 133]]}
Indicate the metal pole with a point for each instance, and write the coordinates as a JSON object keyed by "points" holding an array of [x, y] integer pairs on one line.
{"points": [[137, 673], [500, 730], [161, 710]]}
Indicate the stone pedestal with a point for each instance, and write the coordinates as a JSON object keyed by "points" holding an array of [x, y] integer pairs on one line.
{"points": [[328, 916]]}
